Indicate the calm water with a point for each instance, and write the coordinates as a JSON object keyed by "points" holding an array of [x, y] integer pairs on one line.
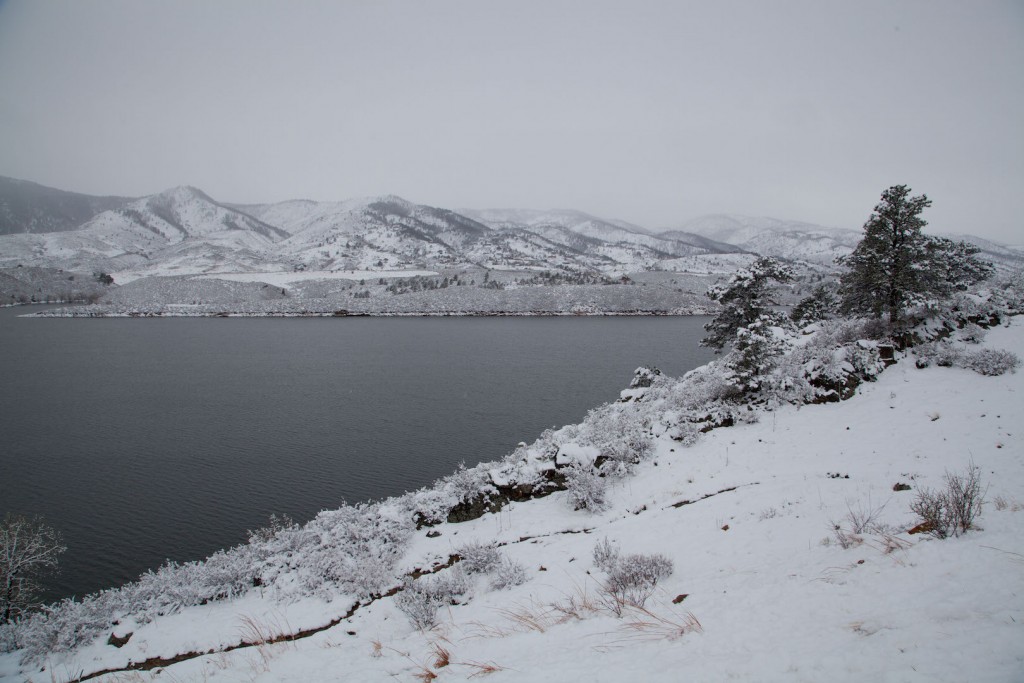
{"points": [[143, 440]]}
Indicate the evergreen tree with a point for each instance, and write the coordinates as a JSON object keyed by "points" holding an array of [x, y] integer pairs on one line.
{"points": [[745, 298], [820, 305], [895, 265]]}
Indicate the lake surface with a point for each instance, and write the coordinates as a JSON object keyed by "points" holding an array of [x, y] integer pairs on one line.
{"points": [[143, 440]]}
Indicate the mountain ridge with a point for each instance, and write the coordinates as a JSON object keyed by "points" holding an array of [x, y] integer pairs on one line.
{"points": [[182, 230]]}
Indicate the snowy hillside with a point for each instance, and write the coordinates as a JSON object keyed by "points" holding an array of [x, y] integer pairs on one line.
{"points": [[772, 237], [722, 541], [27, 207], [814, 244], [616, 233], [140, 233], [183, 231]]}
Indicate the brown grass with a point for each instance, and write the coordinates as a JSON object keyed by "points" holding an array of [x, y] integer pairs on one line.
{"points": [[442, 657], [482, 668]]}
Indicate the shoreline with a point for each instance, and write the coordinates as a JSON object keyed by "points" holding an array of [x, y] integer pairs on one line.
{"points": [[63, 313]]}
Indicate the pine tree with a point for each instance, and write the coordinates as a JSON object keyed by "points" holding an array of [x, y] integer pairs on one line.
{"points": [[745, 298], [820, 305], [895, 265], [884, 269]]}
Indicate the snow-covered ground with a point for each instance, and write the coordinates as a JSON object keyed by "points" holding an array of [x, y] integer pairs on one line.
{"points": [[761, 589], [283, 279]]}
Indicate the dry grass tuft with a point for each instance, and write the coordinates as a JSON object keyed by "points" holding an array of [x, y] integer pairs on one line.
{"points": [[442, 657], [648, 625], [482, 668], [530, 617], [1002, 504]]}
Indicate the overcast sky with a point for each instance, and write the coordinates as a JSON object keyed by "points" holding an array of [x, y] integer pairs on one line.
{"points": [[651, 112]]}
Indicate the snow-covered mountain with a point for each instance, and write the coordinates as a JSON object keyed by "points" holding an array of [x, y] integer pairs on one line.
{"points": [[773, 237], [151, 232], [567, 227], [808, 242], [1009, 257], [184, 231], [27, 207]]}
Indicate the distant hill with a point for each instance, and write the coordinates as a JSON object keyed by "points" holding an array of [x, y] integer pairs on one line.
{"points": [[27, 207], [812, 243], [183, 231]]}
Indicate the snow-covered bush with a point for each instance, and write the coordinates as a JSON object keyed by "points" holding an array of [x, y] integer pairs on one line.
{"points": [[432, 504], [586, 489], [940, 353], [420, 598], [971, 334], [983, 361], [644, 377], [1007, 292], [64, 625], [354, 550], [990, 361], [479, 558], [622, 433], [508, 574], [8, 638]]}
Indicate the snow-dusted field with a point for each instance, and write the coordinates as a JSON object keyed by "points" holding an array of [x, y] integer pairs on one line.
{"points": [[746, 515], [283, 279]]}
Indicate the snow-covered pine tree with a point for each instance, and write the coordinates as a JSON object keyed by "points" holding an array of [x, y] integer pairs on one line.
{"points": [[820, 305], [745, 298], [895, 265]]}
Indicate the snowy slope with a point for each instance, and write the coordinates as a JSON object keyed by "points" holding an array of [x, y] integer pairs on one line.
{"points": [[27, 207], [141, 231], [615, 233], [760, 590], [773, 237]]}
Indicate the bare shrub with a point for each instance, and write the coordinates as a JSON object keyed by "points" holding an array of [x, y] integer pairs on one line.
{"points": [[858, 521], [846, 539], [964, 498], [952, 511], [606, 555], [930, 507], [421, 598], [631, 578], [864, 520], [1003, 503]]}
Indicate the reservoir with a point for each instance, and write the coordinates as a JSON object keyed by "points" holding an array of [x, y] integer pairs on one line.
{"points": [[143, 440]]}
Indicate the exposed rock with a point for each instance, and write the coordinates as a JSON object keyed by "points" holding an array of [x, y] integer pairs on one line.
{"points": [[482, 503], [119, 641]]}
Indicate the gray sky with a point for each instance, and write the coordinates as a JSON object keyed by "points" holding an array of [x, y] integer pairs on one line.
{"points": [[651, 112]]}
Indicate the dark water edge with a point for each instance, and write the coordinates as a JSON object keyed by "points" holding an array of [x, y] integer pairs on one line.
{"points": [[147, 440]]}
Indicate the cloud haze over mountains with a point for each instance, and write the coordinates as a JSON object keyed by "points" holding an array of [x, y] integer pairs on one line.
{"points": [[654, 113]]}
